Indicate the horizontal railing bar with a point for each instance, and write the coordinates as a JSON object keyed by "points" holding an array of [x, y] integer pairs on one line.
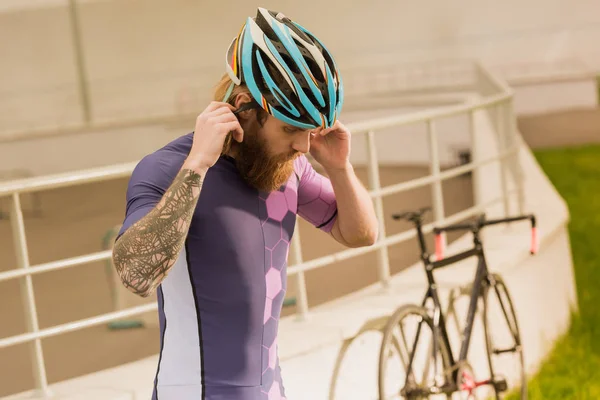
{"points": [[424, 116], [76, 325], [71, 178], [56, 265], [393, 189], [313, 264], [386, 191], [389, 241], [448, 174]]}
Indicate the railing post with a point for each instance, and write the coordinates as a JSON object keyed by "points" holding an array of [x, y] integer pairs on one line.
{"points": [[436, 187], [475, 173], [512, 135], [383, 261], [301, 299], [501, 130], [37, 356]]}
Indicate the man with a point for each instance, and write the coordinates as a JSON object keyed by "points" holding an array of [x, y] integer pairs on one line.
{"points": [[210, 215]]}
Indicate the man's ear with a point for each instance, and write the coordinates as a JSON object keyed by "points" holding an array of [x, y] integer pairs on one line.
{"points": [[244, 99], [241, 99]]}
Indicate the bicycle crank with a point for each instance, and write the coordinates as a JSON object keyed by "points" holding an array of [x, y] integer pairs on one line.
{"points": [[466, 382]]}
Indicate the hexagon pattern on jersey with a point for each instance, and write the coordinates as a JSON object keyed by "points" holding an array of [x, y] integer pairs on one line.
{"points": [[278, 212], [315, 205], [278, 217], [277, 206]]}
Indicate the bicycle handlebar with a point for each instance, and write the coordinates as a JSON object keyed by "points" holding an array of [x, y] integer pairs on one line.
{"points": [[481, 222], [416, 217]]}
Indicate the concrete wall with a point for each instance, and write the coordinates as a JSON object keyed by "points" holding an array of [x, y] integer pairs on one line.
{"points": [[557, 95], [153, 57]]}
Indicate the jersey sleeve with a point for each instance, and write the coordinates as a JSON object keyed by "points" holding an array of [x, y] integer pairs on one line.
{"points": [[147, 185], [316, 199]]}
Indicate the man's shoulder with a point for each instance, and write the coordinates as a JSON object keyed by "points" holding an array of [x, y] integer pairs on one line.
{"points": [[161, 166], [304, 169]]}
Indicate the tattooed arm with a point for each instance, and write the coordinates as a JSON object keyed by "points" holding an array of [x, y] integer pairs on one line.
{"points": [[146, 251], [149, 247]]}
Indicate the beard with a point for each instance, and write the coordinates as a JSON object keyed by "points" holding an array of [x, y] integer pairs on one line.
{"points": [[258, 167]]}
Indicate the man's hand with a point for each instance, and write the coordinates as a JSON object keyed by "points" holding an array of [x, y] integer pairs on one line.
{"points": [[212, 127], [356, 224], [331, 147]]}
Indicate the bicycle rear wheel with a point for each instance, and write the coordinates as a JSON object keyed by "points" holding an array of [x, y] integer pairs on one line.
{"points": [[503, 340], [412, 361]]}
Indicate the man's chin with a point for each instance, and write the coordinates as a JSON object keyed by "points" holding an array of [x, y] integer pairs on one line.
{"points": [[260, 169], [269, 181]]}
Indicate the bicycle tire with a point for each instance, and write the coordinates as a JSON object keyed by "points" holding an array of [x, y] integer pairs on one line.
{"points": [[497, 289], [388, 338], [374, 325]]}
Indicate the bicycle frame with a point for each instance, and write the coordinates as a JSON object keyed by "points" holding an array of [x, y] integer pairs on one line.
{"points": [[480, 279]]}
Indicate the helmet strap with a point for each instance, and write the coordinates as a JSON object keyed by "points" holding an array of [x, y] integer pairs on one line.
{"points": [[228, 93]]}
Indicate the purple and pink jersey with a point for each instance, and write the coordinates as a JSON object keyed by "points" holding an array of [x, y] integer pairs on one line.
{"points": [[220, 304]]}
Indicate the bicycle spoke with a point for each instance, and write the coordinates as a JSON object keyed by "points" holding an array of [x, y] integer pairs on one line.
{"points": [[402, 349]]}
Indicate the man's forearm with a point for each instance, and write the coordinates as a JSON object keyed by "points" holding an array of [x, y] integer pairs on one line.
{"points": [[356, 220], [148, 249]]}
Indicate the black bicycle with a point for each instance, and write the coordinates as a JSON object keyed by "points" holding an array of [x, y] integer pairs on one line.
{"points": [[427, 367]]}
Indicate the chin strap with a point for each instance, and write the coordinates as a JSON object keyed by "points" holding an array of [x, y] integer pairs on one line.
{"points": [[228, 93]]}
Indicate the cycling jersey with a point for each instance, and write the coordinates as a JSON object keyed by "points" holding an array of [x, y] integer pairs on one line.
{"points": [[220, 304]]}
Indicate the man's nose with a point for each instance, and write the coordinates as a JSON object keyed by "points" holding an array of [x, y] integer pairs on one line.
{"points": [[302, 142]]}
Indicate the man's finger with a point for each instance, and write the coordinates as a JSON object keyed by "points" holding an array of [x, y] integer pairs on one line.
{"points": [[223, 115], [236, 129], [216, 105], [221, 111], [324, 132]]}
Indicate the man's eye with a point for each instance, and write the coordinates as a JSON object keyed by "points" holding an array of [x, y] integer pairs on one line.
{"points": [[289, 129]]}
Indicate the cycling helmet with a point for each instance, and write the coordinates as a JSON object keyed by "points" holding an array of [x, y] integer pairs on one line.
{"points": [[287, 70]]}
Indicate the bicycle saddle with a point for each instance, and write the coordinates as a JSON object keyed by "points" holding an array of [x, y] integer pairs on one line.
{"points": [[412, 215]]}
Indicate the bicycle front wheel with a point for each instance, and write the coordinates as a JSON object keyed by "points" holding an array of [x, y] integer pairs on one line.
{"points": [[503, 340], [412, 360]]}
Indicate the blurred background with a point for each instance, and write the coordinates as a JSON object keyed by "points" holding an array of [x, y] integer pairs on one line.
{"points": [[88, 87]]}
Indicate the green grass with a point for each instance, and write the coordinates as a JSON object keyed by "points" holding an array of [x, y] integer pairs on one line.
{"points": [[572, 370]]}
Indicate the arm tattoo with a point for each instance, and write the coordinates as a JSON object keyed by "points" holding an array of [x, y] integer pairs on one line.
{"points": [[145, 253]]}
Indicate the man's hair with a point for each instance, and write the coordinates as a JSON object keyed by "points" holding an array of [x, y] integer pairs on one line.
{"points": [[219, 94]]}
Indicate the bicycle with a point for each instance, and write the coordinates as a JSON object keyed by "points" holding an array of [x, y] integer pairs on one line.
{"points": [[443, 373]]}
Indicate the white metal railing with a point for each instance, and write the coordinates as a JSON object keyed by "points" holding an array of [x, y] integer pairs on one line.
{"points": [[497, 102]]}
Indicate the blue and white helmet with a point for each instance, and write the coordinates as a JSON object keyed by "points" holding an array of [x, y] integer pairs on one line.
{"points": [[287, 70]]}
